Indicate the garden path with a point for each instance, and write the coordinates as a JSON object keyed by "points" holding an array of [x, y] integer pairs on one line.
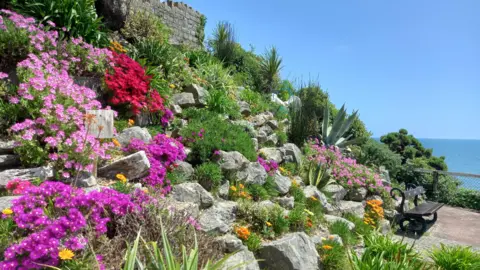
{"points": [[454, 226]]}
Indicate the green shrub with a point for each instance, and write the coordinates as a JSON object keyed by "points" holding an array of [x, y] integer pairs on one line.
{"points": [[297, 217], [223, 42], [341, 228], [144, 25], [7, 227], [254, 242], [270, 67], [79, 17], [122, 188], [155, 53], [258, 103], [216, 77], [258, 192], [455, 258], [333, 255], [376, 154], [361, 228], [280, 224], [221, 103], [297, 194], [282, 137], [217, 134], [466, 198], [11, 113], [209, 175], [14, 46]]}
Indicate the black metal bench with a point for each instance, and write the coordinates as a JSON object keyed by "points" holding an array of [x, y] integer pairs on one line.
{"points": [[413, 219]]}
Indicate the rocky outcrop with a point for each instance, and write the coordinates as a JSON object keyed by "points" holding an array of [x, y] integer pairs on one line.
{"points": [[273, 124], [337, 192], [6, 147], [292, 153], [6, 201], [200, 95], [260, 119], [241, 260], [193, 193], [332, 219], [223, 190], [254, 173], [184, 100], [218, 218], [286, 202], [128, 134], [9, 161], [231, 161], [230, 243], [272, 153], [43, 173], [133, 166], [357, 194], [294, 251], [185, 169], [244, 108], [312, 191], [356, 208], [282, 183]]}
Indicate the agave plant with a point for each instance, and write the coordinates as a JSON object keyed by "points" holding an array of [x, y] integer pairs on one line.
{"points": [[319, 175], [333, 135], [271, 65]]}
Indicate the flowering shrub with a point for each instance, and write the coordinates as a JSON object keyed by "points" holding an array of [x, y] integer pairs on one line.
{"points": [[239, 191], [373, 213], [345, 170], [270, 166], [162, 152], [54, 216], [18, 186]]}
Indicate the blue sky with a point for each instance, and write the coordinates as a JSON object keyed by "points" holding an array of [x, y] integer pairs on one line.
{"points": [[403, 64]]}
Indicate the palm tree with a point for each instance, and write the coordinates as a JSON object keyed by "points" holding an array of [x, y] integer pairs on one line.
{"points": [[271, 64], [223, 42]]}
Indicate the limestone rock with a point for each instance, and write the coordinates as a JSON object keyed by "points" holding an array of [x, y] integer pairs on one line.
{"points": [[356, 208], [336, 191], [374, 197], [248, 127], [184, 100], [84, 180], [332, 219], [266, 129], [185, 169], [43, 173], [272, 139], [260, 119], [272, 153], [282, 183], [266, 204], [128, 134], [385, 226], [6, 201], [244, 108], [230, 243], [194, 193], [357, 194], [223, 190], [6, 147], [273, 124], [232, 161], [292, 150], [176, 110], [134, 166], [219, 218], [244, 258], [9, 161], [294, 251], [200, 95], [255, 143], [184, 208], [262, 136], [254, 173], [312, 191], [286, 202]]}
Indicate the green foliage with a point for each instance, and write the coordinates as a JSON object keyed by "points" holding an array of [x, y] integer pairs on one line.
{"points": [[258, 192], [198, 57], [280, 224], [258, 102], [142, 24], [297, 217], [297, 194], [270, 220], [333, 258], [79, 17], [376, 154], [301, 125], [318, 175], [455, 258], [341, 228], [11, 113], [361, 228], [14, 46], [290, 168], [209, 175], [32, 154], [270, 67], [332, 135], [201, 30], [122, 188], [216, 76], [223, 42], [282, 137], [218, 135], [254, 242], [7, 227], [286, 90], [466, 198], [221, 103]]}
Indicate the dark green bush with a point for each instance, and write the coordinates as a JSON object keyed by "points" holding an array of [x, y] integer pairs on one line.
{"points": [[144, 25], [455, 258], [209, 175], [466, 198], [258, 192], [79, 17], [216, 134], [14, 46], [376, 154], [258, 102]]}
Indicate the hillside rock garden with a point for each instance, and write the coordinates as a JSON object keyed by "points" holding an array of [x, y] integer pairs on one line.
{"points": [[202, 170]]}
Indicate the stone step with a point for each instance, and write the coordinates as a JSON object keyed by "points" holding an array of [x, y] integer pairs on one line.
{"points": [[6, 147], [9, 161]]}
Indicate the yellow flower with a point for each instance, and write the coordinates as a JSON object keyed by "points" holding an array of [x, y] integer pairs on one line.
{"points": [[327, 247], [116, 142], [233, 188], [66, 254], [145, 190], [131, 122], [241, 186], [7, 211], [121, 178], [282, 169], [268, 224], [172, 86], [308, 212], [313, 198]]}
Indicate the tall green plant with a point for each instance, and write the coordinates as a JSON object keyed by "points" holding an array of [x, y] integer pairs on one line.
{"points": [[332, 135], [223, 42], [271, 65], [318, 175], [455, 258], [299, 123]]}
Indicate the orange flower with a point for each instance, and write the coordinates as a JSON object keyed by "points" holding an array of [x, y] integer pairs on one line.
{"points": [[131, 122], [116, 142], [241, 186], [327, 247], [233, 188], [309, 224], [242, 232], [313, 198]]}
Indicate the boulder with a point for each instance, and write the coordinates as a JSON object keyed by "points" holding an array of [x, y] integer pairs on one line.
{"points": [[84, 180], [260, 119], [241, 260], [282, 183], [176, 110], [290, 149], [390, 214], [184, 100], [336, 191], [298, 180], [273, 124], [128, 134], [230, 243], [200, 95], [218, 218], [244, 108], [43, 173], [185, 169], [6, 201], [286, 202], [262, 136], [312, 191], [294, 251], [6, 147], [249, 128], [332, 219], [223, 190], [266, 129], [272, 139], [253, 173], [356, 208], [184, 208], [9, 161], [272, 153], [93, 188], [357, 194], [193, 193], [133, 166], [232, 161], [266, 204], [385, 226], [374, 197]]}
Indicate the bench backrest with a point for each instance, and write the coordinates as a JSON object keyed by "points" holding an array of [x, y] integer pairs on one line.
{"points": [[411, 193]]}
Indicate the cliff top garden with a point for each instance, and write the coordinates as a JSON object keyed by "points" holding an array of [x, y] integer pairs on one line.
{"points": [[199, 167]]}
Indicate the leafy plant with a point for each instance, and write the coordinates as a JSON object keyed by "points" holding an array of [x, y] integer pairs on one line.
{"points": [[219, 102], [258, 103], [271, 65], [14, 45], [332, 135], [466, 198], [79, 17], [333, 255], [254, 242], [341, 228], [455, 258], [223, 42], [209, 175], [361, 228], [318, 175], [141, 24], [376, 154]]}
